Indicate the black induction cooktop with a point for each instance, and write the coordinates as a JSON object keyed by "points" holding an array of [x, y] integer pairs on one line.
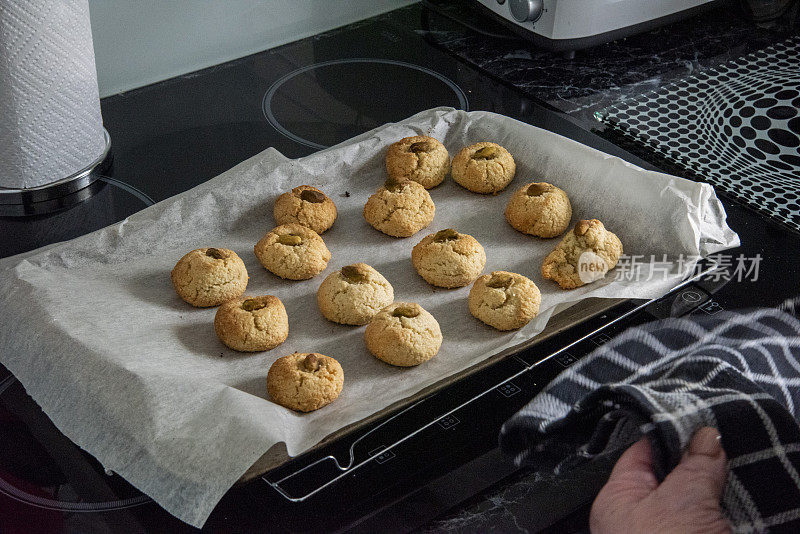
{"points": [[413, 466]]}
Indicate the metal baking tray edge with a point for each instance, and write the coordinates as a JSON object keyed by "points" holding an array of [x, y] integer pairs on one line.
{"points": [[575, 313]]}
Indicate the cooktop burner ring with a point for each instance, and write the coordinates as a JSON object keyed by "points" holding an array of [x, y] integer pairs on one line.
{"points": [[105, 201], [13, 492], [266, 105], [138, 193], [5, 384], [61, 506]]}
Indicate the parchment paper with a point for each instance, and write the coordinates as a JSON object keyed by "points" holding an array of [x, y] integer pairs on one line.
{"points": [[124, 368]]}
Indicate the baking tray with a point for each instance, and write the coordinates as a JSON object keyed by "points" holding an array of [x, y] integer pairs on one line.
{"points": [[182, 418], [277, 456]]}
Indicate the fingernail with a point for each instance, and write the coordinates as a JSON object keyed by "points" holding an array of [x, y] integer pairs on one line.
{"points": [[706, 441]]}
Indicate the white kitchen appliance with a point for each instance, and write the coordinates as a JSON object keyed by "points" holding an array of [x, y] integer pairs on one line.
{"points": [[565, 25]]}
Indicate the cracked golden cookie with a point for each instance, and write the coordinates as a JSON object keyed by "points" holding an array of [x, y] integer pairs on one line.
{"points": [[305, 205], [504, 300], [354, 294], [403, 334], [539, 209], [252, 324], [448, 259], [585, 254], [293, 251], [305, 382], [484, 168], [209, 276], [420, 158], [400, 208]]}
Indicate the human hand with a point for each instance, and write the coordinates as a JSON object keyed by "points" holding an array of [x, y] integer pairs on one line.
{"points": [[686, 502]]}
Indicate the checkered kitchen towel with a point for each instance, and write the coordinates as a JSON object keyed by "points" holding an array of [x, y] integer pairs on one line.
{"points": [[738, 372]]}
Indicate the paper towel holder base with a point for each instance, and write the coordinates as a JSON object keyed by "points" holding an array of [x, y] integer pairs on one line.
{"points": [[53, 196]]}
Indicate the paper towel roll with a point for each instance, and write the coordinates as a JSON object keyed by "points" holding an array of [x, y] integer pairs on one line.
{"points": [[50, 122]]}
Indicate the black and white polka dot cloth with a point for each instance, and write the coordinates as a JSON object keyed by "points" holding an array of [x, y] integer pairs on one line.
{"points": [[736, 125], [737, 372]]}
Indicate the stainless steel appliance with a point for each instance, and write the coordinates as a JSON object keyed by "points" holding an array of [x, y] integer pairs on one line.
{"points": [[575, 24]]}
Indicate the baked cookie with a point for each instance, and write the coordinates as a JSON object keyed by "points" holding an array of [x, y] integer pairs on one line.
{"points": [[539, 209], [403, 334], [583, 256], [305, 381], [293, 251], [252, 324], [354, 294], [209, 276], [504, 300], [420, 158], [484, 168], [305, 205], [448, 259], [400, 208]]}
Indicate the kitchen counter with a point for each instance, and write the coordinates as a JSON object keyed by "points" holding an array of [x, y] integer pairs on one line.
{"points": [[316, 92]]}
